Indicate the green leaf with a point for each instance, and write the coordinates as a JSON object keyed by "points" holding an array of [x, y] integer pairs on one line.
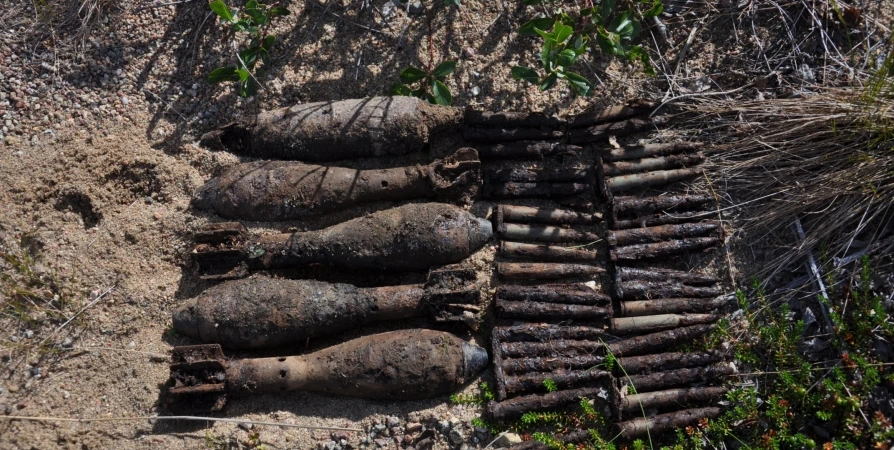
{"points": [[258, 16], [580, 44], [635, 29], [656, 9], [638, 52], [441, 93], [546, 54], [604, 43], [579, 84], [252, 4], [278, 11], [562, 32], [543, 23], [621, 23], [444, 69], [524, 73], [268, 42], [608, 7], [250, 56], [223, 74], [243, 74], [565, 19], [411, 75], [547, 36], [220, 8], [567, 57], [401, 89], [549, 82], [249, 88]]}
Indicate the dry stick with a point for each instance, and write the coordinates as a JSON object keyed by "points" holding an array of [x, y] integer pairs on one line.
{"points": [[98, 298], [814, 270], [207, 419]]}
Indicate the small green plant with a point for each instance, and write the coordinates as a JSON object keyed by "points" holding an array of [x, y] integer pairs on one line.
{"points": [[568, 34], [253, 19], [429, 84], [550, 385], [485, 394]]}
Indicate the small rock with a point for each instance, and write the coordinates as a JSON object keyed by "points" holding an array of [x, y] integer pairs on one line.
{"points": [[29, 334], [443, 426], [66, 395], [507, 440], [124, 100], [339, 435], [245, 426], [469, 52], [396, 431], [455, 436], [34, 371], [475, 91], [12, 388], [454, 422], [414, 427], [392, 421], [416, 8], [382, 442]]}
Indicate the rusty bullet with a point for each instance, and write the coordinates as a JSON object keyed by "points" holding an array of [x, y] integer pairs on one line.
{"points": [[650, 164], [546, 271], [575, 294], [263, 312], [495, 135], [528, 365], [332, 131], [550, 311], [533, 382], [661, 233], [544, 233], [663, 219], [678, 377], [537, 175], [673, 306], [398, 365], [535, 190], [516, 407], [647, 151], [623, 183], [664, 275], [614, 113], [409, 237], [544, 332], [656, 341], [286, 190], [558, 347], [642, 289], [666, 361], [636, 403], [526, 150], [626, 127], [660, 249], [639, 324], [642, 426], [555, 216], [658, 204], [543, 252], [510, 119]]}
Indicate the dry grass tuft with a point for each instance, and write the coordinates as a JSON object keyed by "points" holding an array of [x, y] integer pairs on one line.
{"points": [[825, 158], [70, 21]]}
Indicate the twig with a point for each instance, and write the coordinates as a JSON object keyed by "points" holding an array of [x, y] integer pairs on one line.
{"points": [[97, 299], [700, 94], [817, 277], [156, 355], [317, 4], [204, 419], [159, 5]]}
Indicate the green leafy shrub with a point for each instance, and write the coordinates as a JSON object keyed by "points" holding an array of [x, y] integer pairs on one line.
{"points": [[253, 19], [429, 85], [568, 35]]}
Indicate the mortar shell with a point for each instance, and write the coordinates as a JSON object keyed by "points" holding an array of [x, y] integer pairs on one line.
{"points": [[647, 151]]}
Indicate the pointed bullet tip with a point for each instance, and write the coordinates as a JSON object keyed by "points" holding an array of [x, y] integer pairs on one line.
{"points": [[475, 360]]}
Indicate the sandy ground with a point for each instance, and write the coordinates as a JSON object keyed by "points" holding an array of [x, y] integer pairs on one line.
{"points": [[99, 161]]}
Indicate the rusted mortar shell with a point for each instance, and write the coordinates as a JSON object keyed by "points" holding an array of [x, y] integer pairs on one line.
{"points": [[516, 407], [535, 190], [546, 271], [647, 151], [497, 135], [526, 150], [553, 348], [623, 183], [545, 332], [409, 237], [533, 382], [666, 361], [550, 311], [636, 403], [660, 203], [576, 294], [404, 365], [575, 436], [535, 175], [510, 119], [556, 216], [543, 252], [656, 341], [638, 289], [544, 233], [332, 131], [263, 312], [678, 377], [285, 190], [665, 248], [625, 127], [672, 306], [664, 219], [661, 233], [664, 275], [529, 365], [642, 426], [650, 164], [612, 113], [641, 324]]}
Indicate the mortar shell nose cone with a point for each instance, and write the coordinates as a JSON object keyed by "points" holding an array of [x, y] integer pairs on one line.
{"points": [[204, 198], [185, 320], [480, 232], [475, 360]]}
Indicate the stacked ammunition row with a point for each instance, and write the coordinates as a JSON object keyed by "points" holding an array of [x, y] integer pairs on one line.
{"points": [[564, 289]]}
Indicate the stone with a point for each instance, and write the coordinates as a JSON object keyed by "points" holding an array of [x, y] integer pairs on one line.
{"points": [[507, 440], [413, 427], [392, 421], [455, 436]]}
